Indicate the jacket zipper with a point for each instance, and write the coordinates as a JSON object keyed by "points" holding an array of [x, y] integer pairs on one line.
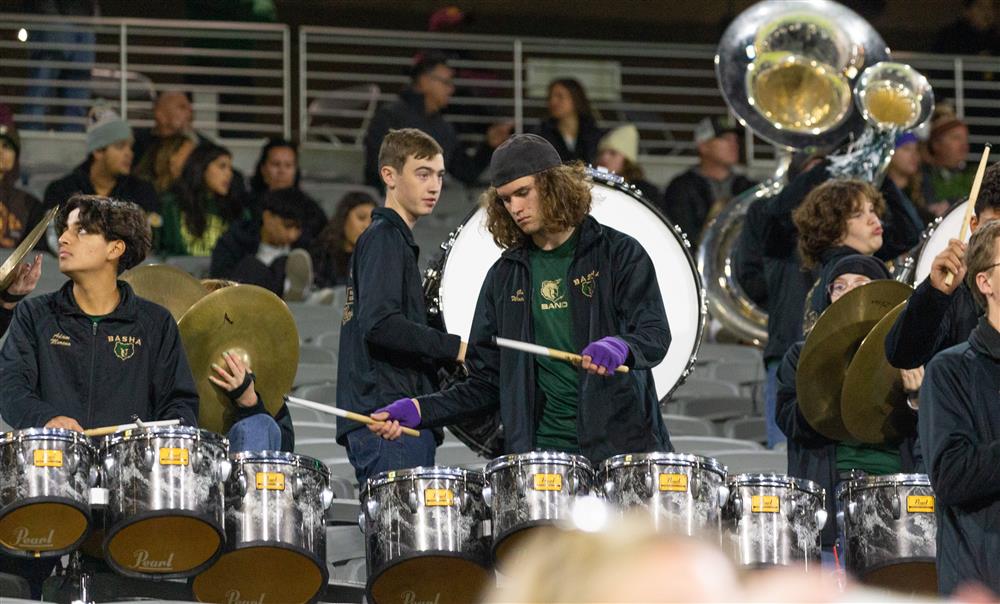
{"points": [[90, 384]]}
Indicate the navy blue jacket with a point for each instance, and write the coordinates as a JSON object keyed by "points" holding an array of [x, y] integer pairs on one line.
{"points": [[960, 434], [57, 362], [613, 292], [931, 322], [387, 350]]}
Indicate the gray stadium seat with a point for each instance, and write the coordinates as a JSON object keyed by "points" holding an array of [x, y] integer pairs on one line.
{"points": [[316, 355], [718, 408], [328, 339], [307, 431], [343, 488], [343, 511], [754, 461], [344, 543], [309, 373], [706, 445], [747, 428], [680, 425], [729, 353], [703, 387], [323, 449], [320, 393], [455, 454], [738, 373], [196, 265]]}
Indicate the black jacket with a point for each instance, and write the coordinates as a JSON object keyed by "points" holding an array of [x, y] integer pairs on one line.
{"points": [[688, 199], [613, 291], [409, 112], [127, 188], [930, 322], [57, 362], [810, 454], [234, 257], [960, 431], [5, 318], [387, 350], [588, 136], [748, 257]]}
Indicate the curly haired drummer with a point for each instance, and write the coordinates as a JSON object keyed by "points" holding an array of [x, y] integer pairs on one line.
{"points": [[566, 282]]}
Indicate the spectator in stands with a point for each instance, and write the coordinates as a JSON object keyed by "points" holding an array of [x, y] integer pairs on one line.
{"points": [[973, 33], [571, 126], [904, 170], [420, 106], [331, 252], [267, 251], [618, 151], [696, 196], [105, 172], [198, 209], [946, 175], [172, 115], [278, 168], [19, 210], [162, 166]]}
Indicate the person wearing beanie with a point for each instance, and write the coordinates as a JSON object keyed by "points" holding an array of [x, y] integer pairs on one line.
{"points": [[946, 176], [618, 151], [823, 460], [19, 210], [566, 282], [105, 172], [697, 195]]}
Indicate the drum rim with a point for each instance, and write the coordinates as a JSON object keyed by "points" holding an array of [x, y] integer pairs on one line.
{"points": [[280, 457], [883, 480], [701, 461], [774, 479], [927, 234], [446, 472], [539, 457], [60, 434], [183, 432]]}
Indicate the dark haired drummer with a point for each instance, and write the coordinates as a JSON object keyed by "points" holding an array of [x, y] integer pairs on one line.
{"points": [[566, 282]]}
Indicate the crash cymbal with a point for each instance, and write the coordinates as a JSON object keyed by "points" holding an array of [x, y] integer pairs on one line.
{"points": [[170, 287], [830, 347], [872, 401], [214, 284], [257, 326], [7, 272]]}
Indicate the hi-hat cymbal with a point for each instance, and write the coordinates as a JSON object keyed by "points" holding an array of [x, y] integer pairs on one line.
{"points": [[831, 346], [8, 270], [872, 402], [168, 286], [256, 325]]}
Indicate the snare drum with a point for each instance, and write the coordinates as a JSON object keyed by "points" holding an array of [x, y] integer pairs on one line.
{"points": [[774, 519], [275, 531], [165, 503], [45, 480], [682, 493], [426, 535], [532, 490], [891, 531]]}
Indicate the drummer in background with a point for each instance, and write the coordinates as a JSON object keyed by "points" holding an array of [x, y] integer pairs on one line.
{"points": [[810, 454], [937, 315], [566, 282], [387, 349], [960, 432], [24, 283]]}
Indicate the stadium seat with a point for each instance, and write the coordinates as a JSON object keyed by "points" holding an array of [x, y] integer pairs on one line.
{"points": [[328, 339], [718, 408], [703, 387], [739, 462], [308, 431], [747, 428], [319, 393], [316, 355], [680, 425], [728, 353], [706, 445], [344, 543], [196, 265], [310, 373]]}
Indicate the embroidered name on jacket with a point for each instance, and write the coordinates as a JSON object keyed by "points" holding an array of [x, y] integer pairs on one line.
{"points": [[60, 339], [124, 346], [554, 292]]}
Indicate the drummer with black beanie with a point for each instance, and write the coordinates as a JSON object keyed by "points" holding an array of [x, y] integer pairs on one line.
{"points": [[566, 282]]}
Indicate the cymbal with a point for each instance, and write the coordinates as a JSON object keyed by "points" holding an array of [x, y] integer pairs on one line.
{"points": [[872, 401], [169, 286], [256, 325], [7, 269], [830, 347]]}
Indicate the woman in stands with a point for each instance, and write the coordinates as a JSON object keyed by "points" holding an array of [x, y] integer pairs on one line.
{"points": [[199, 207], [278, 168], [331, 252], [571, 126]]}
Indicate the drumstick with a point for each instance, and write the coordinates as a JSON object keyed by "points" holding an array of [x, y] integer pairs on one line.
{"points": [[122, 427], [969, 209], [364, 419], [562, 355]]}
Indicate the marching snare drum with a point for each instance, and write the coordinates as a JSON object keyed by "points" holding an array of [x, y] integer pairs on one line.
{"points": [[45, 480], [275, 531], [426, 535], [774, 519], [890, 531], [165, 506], [682, 493], [532, 490]]}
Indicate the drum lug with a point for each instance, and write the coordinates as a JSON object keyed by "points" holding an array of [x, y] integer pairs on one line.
{"points": [[326, 498], [92, 476], [723, 495], [412, 502], [695, 485], [361, 521], [241, 484], [224, 469], [841, 524], [109, 463], [648, 483], [792, 508], [737, 507], [821, 518], [488, 495], [147, 458], [371, 507], [609, 487], [897, 511], [852, 510]]}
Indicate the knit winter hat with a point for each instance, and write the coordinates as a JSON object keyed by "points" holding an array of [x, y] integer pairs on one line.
{"points": [[105, 128], [859, 264], [623, 139]]}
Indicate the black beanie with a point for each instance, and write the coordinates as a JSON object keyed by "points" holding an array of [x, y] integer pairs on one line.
{"points": [[522, 155]]}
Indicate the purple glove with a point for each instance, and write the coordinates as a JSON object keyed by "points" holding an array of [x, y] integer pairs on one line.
{"points": [[609, 352], [402, 411]]}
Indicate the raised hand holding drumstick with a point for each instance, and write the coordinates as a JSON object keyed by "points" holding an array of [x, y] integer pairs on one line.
{"points": [[971, 207]]}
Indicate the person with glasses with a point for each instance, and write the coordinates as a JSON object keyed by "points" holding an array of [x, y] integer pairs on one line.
{"points": [[960, 432], [810, 454], [432, 84]]}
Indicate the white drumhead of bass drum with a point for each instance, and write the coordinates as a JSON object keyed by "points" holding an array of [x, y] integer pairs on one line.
{"points": [[949, 228]]}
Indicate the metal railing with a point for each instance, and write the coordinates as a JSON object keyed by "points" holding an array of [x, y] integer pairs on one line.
{"points": [[53, 69]]}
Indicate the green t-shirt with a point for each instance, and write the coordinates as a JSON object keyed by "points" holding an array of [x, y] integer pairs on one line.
{"points": [[876, 460], [553, 325]]}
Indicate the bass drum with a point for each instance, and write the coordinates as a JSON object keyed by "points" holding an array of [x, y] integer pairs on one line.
{"points": [[935, 240], [453, 282]]}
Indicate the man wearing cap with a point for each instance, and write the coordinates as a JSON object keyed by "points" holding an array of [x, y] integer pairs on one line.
{"points": [[566, 282], [105, 172], [946, 176], [19, 210], [695, 196]]}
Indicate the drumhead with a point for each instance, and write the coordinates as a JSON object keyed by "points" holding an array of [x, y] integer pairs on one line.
{"points": [[555, 458], [426, 472], [936, 237], [619, 206], [182, 432], [669, 459], [775, 480], [283, 458]]}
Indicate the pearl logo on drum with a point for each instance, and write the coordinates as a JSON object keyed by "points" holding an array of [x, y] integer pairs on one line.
{"points": [[410, 597], [23, 538], [144, 562], [233, 597]]}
